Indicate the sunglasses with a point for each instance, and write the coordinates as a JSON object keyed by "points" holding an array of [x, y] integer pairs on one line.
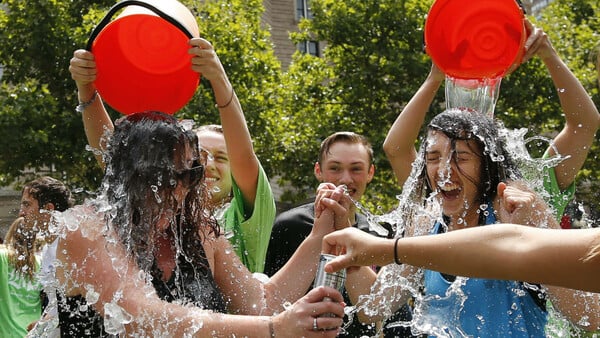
{"points": [[191, 176]]}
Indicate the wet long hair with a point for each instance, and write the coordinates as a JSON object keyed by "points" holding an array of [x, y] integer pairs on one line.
{"points": [[497, 164], [21, 246], [140, 179]]}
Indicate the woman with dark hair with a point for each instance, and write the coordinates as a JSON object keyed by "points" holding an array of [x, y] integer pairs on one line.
{"points": [[239, 187], [465, 178], [148, 258]]}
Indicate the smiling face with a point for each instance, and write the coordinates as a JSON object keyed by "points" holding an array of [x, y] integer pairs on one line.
{"points": [[218, 170], [454, 172], [349, 164]]}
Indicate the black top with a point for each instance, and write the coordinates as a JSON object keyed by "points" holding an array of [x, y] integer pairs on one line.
{"points": [[190, 284], [291, 227]]}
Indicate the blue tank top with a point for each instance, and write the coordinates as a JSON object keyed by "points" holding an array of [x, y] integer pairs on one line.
{"points": [[492, 308]]}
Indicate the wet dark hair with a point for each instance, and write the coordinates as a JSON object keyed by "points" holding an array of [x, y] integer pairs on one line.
{"points": [[497, 165], [345, 137], [140, 179], [50, 190]]}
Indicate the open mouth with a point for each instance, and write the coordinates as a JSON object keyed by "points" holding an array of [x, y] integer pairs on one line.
{"points": [[450, 191], [210, 179]]}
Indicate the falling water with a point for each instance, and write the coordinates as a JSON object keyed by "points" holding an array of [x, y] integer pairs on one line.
{"points": [[477, 94], [392, 288]]}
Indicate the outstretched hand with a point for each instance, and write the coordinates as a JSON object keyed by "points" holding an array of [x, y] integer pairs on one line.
{"points": [[356, 248]]}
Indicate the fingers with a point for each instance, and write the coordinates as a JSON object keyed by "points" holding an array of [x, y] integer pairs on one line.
{"points": [[501, 188], [200, 43], [338, 263], [327, 190], [334, 303], [82, 67]]}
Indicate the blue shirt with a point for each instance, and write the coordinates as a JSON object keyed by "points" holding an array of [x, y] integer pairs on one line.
{"points": [[491, 308]]}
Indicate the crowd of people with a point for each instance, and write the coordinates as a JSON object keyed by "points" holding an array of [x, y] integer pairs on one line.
{"points": [[183, 238]]}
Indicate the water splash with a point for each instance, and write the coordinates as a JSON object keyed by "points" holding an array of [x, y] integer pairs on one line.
{"points": [[478, 94]]}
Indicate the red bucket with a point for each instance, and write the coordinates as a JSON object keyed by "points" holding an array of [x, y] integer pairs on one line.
{"points": [[475, 39], [142, 56]]}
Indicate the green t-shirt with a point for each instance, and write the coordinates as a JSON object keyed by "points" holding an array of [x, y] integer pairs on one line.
{"points": [[20, 302], [250, 235], [557, 199]]}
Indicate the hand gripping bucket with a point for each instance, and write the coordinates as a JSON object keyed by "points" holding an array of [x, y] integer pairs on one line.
{"points": [[475, 39], [142, 56]]}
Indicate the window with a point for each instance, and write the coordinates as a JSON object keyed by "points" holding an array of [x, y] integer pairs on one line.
{"points": [[303, 10], [310, 47]]}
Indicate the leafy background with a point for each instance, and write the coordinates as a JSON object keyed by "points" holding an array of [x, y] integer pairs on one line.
{"points": [[372, 65]]}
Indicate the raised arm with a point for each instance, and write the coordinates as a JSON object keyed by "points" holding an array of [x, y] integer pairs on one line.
{"points": [[243, 160], [582, 119], [399, 144], [95, 117]]}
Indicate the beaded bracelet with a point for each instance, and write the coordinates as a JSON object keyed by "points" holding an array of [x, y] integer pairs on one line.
{"points": [[82, 105], [396, 260]]}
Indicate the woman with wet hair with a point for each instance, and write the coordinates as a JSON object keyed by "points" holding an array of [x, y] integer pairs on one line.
{"points": [[466, 178], [148, 258], [239, 187]]}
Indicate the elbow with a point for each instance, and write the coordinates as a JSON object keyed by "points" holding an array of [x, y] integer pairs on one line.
{"points": [[389, 148]]}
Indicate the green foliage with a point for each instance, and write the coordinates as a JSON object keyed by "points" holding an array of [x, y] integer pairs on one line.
{"points": [[374, 52], [373, 63]]}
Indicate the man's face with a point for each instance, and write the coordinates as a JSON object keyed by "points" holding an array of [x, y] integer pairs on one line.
{"points": [[30, 210], [346, 163], [218, 170]]}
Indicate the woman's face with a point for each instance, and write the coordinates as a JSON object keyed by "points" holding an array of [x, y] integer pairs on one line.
{"points": [[455, 175], [218, 170], [189, 171]]}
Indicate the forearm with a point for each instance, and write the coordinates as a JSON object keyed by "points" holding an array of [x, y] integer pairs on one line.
{"points": [[293, 280], [153, 316], [509, 252], [96, 120], [243, 160], [399, 143], [577, 105]]}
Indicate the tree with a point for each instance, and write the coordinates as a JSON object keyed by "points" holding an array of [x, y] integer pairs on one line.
{"points": [[375, 59], [372, 64], [373, 56]]}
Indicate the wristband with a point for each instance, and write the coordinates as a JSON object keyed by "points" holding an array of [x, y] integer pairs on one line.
{"points": [[228, 102], [396, 251], [82, 105]]}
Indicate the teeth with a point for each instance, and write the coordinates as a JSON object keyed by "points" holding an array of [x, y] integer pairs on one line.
{"points": [[210, 179], [449, 187]]}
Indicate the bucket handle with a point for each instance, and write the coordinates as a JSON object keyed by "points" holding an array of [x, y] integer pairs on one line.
{"points": [[125, 3]]}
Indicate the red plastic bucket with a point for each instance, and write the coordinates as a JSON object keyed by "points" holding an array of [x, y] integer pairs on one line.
{"points": [[142, 56], [478, 39]]}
